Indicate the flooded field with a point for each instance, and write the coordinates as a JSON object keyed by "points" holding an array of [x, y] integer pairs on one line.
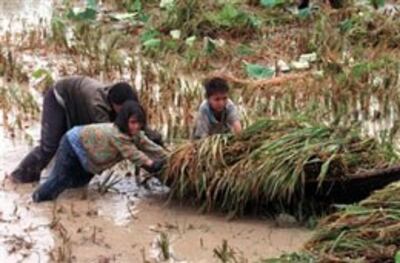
{"points": [[85, 226], [128, 226], [310, 71], [18, 15]]}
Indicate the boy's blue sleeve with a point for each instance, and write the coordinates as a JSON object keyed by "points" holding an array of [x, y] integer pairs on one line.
{"points": [[232, 113], [202, 128]]}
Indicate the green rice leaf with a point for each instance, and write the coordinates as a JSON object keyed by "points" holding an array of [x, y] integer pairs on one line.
{"points": [[257, 71]]}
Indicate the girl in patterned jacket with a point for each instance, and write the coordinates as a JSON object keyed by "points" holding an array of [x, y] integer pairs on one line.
{"points": [[90, 149]]}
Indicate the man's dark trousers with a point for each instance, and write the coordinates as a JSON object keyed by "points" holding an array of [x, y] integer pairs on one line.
{"points": [[54, 125]]}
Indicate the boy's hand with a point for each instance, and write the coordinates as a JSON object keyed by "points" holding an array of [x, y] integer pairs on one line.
{"points": [[236, 127]]}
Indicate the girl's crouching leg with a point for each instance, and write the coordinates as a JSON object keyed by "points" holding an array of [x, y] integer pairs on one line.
{"points": [[60, 177], [82, 179], [49, 190]]}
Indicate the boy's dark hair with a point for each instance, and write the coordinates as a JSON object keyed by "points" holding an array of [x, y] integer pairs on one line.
{"points": [[121, 92], [130, 108], [215, 85]]}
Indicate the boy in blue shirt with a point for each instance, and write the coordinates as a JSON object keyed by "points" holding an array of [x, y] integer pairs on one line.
{"points": [[217, 113]]}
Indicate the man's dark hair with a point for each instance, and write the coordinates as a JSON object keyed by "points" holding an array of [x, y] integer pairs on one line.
{"points": [[303, 4], [130, 108], [334, 4], [216, 85], [121, 92]]}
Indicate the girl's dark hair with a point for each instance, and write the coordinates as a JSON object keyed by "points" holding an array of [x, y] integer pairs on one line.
{"points": [[215, 85], [129, 109]]}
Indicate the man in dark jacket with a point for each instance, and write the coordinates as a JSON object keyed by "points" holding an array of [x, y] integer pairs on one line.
{"points": [[72, 101]]}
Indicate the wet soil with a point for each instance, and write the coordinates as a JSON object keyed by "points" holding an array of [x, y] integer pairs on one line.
{"points": [[124, 226]]}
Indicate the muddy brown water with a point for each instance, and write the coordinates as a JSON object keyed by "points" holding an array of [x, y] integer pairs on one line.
{"points": [[122, 227], [19, 14]]}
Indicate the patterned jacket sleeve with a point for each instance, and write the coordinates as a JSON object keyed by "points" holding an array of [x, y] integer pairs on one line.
{"points": [[129, 151], [150, 148]]}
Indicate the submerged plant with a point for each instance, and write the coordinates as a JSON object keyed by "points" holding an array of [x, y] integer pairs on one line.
{"points": [[298, 257], [164, 245], [108, 183], [225, 253], [18, 106]]}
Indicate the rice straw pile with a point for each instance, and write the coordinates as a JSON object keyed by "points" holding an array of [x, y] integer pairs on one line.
{"points": [[366, 232], [270, 162]]}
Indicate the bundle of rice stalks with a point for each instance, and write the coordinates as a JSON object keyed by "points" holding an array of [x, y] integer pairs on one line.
{"points": [[356, 26], [372, 29], [17, 106], [235, 19], [207, 18], [366, 232], [269, 163]]}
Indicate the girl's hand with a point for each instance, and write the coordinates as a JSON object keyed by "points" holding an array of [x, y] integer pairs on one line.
{"points": [[149, 162], [155, 167]]}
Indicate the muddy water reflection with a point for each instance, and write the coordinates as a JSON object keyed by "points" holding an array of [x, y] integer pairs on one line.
{"points": [[19, 14], [24, 232]]}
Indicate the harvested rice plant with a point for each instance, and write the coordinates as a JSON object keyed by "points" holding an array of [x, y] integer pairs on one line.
{"points": [[281, 162], [363, 232]]}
